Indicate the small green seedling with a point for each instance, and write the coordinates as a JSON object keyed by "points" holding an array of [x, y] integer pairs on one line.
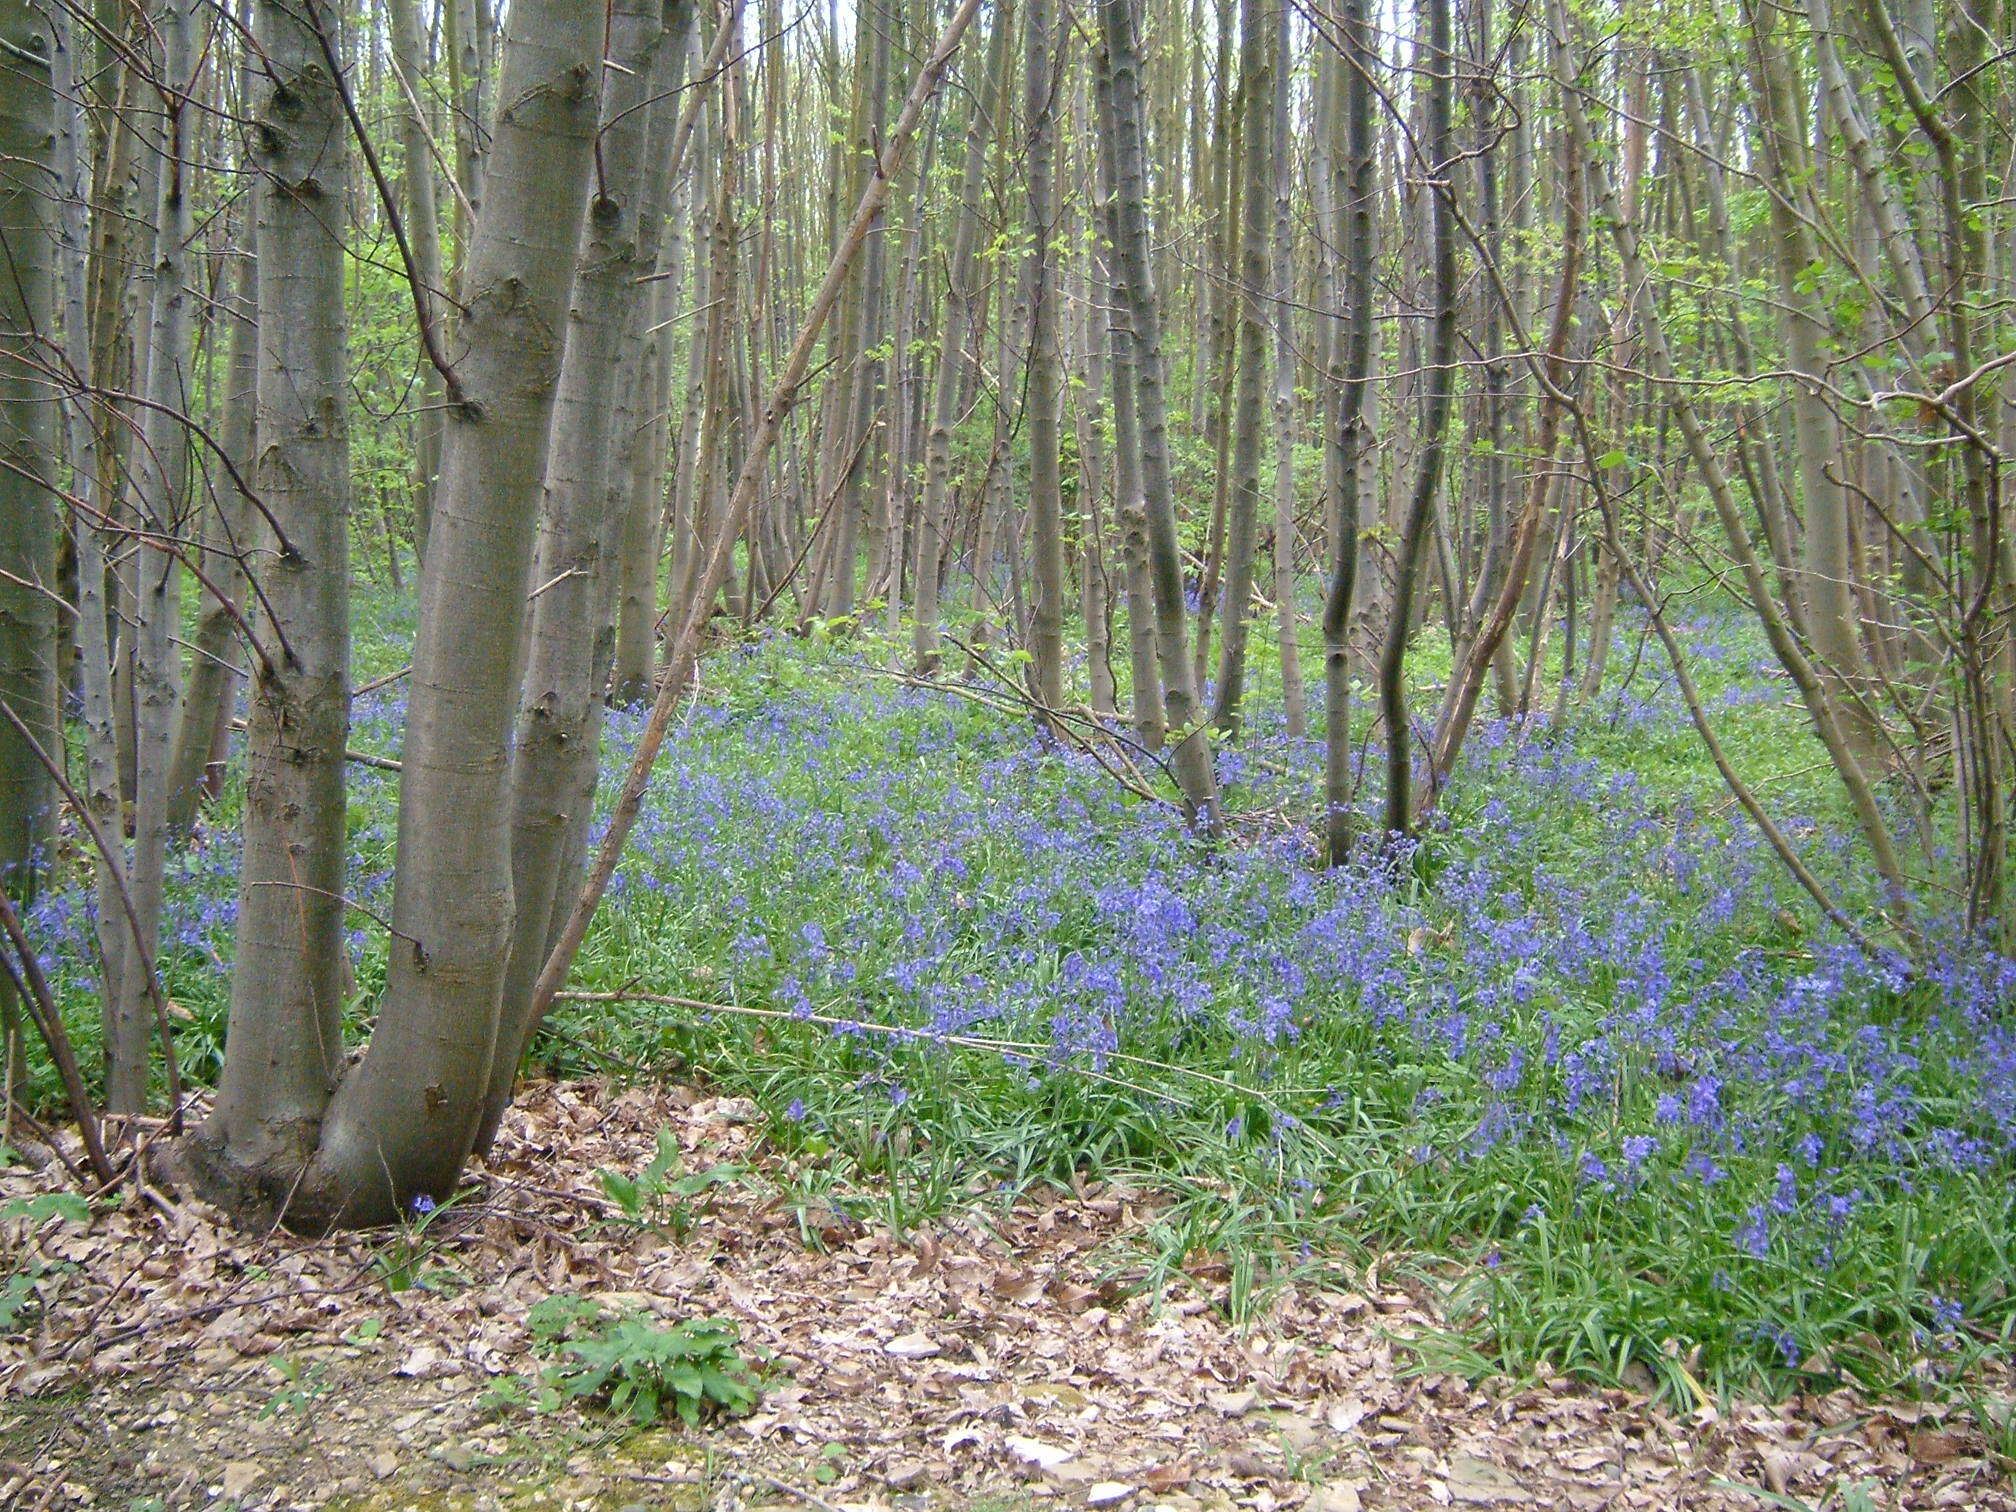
{"points": [[639, 1368]]}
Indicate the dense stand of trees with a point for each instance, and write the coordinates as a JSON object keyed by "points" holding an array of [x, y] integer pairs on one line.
{"points": [[1098, 344]]}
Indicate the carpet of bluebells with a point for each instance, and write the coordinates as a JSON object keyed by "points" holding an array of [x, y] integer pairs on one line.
{"points": [[1586, 1062]]}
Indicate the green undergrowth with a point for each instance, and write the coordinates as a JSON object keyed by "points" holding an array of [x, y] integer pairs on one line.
{"points": [[1584, 1064]]}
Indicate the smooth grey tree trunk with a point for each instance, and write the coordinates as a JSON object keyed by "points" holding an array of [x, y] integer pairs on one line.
{"points": [[1350, 439], [1043, 409], [1440, 377], [962, 324], [284, 1039], [1242, 524], [402, 1122], [1194, 769], [159, 506], [569, 643], [216, 658], [87, 452], [1128, 507], [28, 512], [423, 236], [1282, 287]]}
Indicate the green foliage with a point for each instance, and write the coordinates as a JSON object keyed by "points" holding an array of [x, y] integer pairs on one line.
{"points": [[17, 1295], [401, 1263], [65, 1205], [638, 1368], [660, 1196], [300, 1387], [18, 1290]]}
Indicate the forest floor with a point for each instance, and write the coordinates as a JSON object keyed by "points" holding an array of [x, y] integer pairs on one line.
{"points": [[1001, 1359]]}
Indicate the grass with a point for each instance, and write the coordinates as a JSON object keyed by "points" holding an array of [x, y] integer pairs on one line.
{"points": [[1585, 1058]]}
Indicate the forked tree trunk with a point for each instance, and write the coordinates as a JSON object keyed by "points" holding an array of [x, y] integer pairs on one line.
{"points": [[401, 1123]]}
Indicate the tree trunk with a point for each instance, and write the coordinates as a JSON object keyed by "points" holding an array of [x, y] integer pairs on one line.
{"points": [[1832, 622], [1193, 764], [1467, 681], [285, 1032], [569, 648], [216, 659], [159, 505], [1043, 402], [28, 509], [1282, 286], [402, 1123], [423, 236], [1111, 297], [962, 326], [1256, 89], [1440, 377]]}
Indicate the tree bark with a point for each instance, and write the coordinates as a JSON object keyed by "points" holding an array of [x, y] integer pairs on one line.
{"points": [[569, 650], [285, 1031], [1042, 410], [423, 235], [1192, 761], [158, 504], [1282, 286], [28, 513], [1128, 504], [962, 326], [1350, 440], [402, 1123], [1440, 377], [216, 659], [1256, 109]]}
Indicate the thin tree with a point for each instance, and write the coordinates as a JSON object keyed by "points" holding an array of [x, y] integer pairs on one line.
{"points": [[1192, 761], [28, 514], [1351, 372], [1439, 378]]}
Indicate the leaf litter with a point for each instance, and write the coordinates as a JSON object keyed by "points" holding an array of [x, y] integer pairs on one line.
{"points": [[163, 1360]]}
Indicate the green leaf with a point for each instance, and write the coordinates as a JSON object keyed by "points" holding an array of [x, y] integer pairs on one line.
{"points": [[67, 1205]]}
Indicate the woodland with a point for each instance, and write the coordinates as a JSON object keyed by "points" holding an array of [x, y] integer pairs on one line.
{"points": [[940, 753]]}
